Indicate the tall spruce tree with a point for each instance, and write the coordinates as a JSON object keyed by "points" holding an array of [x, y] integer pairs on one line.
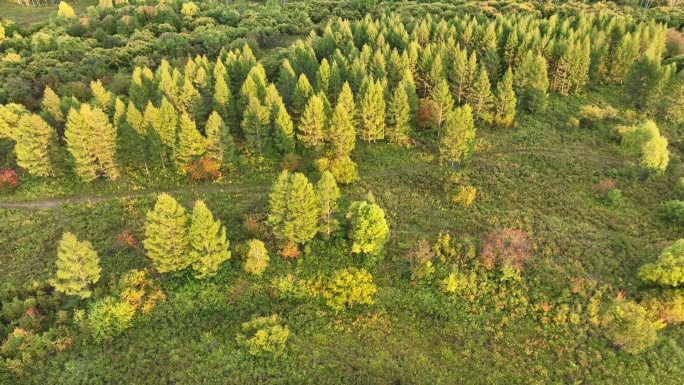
{"points": [[327, 195], [190, 145], [207, 240], [166, 235], [342, 132], [459, 134], [36, 146], [398, 117], [480, 96], [255, 126], [505, 100], [78, 267], [283, 131], [294, 212], [372, 112]]}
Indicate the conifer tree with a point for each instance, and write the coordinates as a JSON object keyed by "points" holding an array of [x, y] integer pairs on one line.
{"points": [[373, 113], [312, 124], [166, 235], [91, 140], [505, 100], [223, 102], [480, 96], [336, 81], [398, 117], [327, 194], [103, 98], [219, 70], [283, 131], [510, 55], [169, 123], [255, 126], [135, 119], [532, 82], [369, 230], [322, 83], [36, 146], [294, 211], [119, 112], [190, 145], [248, 90], [257, 257], [443, 102], [301, 95], [459, 134], [207, 240], [190, 101], [342, 132], [673, 106], [52, 106], [287, 81], [78, 267], [218, 142]]}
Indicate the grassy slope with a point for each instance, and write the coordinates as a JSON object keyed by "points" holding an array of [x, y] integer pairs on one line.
{"points": [[27, 15], [538, 177]]}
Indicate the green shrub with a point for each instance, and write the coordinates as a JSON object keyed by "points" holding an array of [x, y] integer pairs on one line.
{"points": [[628, 326], [672, 211], [349, 287], [264, 337]]}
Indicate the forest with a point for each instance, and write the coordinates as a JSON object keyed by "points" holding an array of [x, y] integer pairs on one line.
{"points": [[341, 192]]}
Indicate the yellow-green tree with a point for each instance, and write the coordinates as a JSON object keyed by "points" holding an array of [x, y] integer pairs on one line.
{"points": [[369, 230], [64, 10], [294, 211], [327, 194], [668, 270], [91, 140], [629, 327], [36, 146], [190, 145], [257, 257], [312, 125], [208, 243], [52, 106], [342, 131], [78, 267], [349, 287], [166, 235], [458, 136]]}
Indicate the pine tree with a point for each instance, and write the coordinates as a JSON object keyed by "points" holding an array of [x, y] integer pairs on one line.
{"points": [[480, 96], [322, 82], [78, 267], [459, 134], [398, 117], [190, 145], [342, 132], [283, 131], [373, 113], [52, 106], [301, 95], [257, 257], [218, 142], [166, 235], [312, 124], [255, 126], [327, 194], [294, 212], [505, 100], [36, 145], [207, 240], [443, 102]]}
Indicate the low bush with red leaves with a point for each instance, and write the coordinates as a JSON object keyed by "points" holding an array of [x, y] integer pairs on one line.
{"points": [[8, 180], [204, 169], [505, 247], [125, 238]]}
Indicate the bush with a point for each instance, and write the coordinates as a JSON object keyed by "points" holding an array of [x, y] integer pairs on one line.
{"points": [[349, 287], [589, 114], [603, 187], [257, 257], [465, 196], [264, 337], [204, 169], [8, 180], [614, 197], [109, 317], [290, 162], [505, 247], [668, 270], [672, 211], [344, 170]]}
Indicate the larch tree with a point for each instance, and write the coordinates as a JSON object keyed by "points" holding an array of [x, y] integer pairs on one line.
{"points": [[673, 106], [207, 240], [301, 95], [190, 101], [166, 235], [91, 140], [372, 112], [342, 131], [313, 123], [480, 96], [169, 127], [369, 230], [294, 212], [322, 81], [283, 131], [459, 134], [287, 82], [218, 142], [64, 10], [103, 99], [255, 126], [327, 195], [398, 117], [505, 100], [36, 146], [223, 102], [443, 102], [51, 106], [190, 145], [531, 82], [78, 267]]}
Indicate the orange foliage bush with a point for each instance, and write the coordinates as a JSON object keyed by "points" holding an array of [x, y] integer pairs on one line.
{"points": [[505, 247], [8, 180], [204, 169]]}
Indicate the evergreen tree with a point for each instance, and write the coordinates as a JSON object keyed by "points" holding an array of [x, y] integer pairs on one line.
{"points": [[166, 235], [207, 240], [480, 96], [342, 132], [312, 124], [443, 102], [224, 103], [78, 267], [327, 195], [51, 104], [169, 123], [294, 211], [103, 98], [36, 146], [301, 95], [287, 81], [257, 257], [255, 126], [459, 134], [322, 82], [218, 142], [532, 82], [373, 112], [91, 140], [135, 119], [283, 131], [398, 117], [369, 230], [190, 145], [505, 100]]}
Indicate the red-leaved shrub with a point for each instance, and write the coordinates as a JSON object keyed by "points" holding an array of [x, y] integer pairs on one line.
{"points": [[427, 117], [8, 180], [125, 238], [505, 247], [204, 169]]}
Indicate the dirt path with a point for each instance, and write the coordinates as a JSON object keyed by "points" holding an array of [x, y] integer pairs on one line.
{"points": [[54, 203]]}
